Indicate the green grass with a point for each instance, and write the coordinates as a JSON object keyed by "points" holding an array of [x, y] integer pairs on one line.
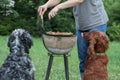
{"points": [[40, 58]]}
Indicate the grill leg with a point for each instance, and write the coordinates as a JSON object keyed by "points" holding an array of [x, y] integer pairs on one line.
{"points": [[66, 67], [49, 67]]}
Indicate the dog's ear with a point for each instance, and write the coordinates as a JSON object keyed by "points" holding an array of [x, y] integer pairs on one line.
{"points": [[106, 41], [102, 43], [10, 39], [27, 39], [92, 42], [89, 37]]}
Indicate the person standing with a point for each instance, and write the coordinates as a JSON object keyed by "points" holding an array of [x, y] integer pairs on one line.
{"points": [[89, 15]]}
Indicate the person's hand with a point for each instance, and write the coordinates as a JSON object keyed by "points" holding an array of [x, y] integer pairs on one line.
{"points": [[42, 9], [53, 12]]}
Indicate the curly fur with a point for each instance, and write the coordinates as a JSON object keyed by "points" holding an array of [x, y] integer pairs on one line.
{"points": [[18, 65], [96, 63]]}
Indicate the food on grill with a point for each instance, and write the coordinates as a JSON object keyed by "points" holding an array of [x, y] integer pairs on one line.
{"points": [[59, 33]]}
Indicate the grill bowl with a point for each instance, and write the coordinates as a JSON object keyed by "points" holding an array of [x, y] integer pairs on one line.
{"points": [[59, 44]]}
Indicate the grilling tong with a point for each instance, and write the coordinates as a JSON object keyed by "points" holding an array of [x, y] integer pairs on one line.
{"points": [[42, 25]]}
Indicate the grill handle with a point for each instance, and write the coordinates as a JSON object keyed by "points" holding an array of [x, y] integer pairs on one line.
{"points": [[42, 25]]}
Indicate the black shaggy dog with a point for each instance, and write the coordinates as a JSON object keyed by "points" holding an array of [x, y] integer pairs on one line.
{"points": [[18, 65]]}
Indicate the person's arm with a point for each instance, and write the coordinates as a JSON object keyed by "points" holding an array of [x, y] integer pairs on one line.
{"points": [[69, 3], [66, 4], [49, 3]]}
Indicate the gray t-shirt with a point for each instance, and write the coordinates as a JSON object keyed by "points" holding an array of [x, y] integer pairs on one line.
{"points": [[89, 14]]}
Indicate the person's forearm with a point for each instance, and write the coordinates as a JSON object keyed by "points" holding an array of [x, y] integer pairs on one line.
{"points": [[51, 3], [69, 3]]}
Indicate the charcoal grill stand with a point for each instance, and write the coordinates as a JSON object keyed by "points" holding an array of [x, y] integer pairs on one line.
{"points": [[50, 65], [52, 56]]}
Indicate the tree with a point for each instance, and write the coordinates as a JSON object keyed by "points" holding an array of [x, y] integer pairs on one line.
{"points": [[6, 7]]}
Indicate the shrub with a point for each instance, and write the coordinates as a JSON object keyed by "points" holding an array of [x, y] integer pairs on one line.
{"points": [[25, 16], [113, 10], [62, 22], [114, 32]]}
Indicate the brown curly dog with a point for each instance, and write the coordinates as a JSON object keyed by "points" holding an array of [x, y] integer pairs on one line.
{"points": [[96, 61]]}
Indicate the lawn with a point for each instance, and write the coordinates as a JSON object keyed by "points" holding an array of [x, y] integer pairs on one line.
{"points": [[40, 58]]}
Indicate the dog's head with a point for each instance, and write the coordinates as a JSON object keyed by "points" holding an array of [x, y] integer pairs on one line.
{"points": [[20, 41], [98, 41]]}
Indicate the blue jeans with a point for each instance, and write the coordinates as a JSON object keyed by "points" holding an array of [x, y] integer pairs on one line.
{"points": [[83, 46]]}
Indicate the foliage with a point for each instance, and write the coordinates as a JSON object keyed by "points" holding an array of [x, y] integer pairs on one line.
{"points": [[24, 15], [6, 7], [29, 19], [114, 32], [62, 22], [113, 10]]}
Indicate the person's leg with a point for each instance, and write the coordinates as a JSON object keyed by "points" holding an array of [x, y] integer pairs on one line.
{"points": [[82, 51], [82, 46]]}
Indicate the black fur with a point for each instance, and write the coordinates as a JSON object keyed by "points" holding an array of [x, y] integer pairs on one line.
{"points": [[18, 65]]}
